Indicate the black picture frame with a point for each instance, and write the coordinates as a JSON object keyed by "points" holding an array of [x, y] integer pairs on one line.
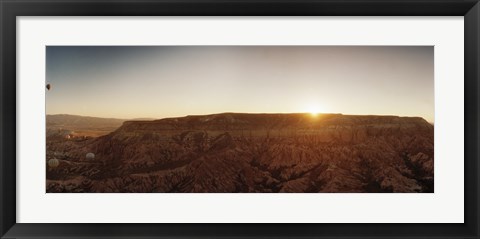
{"points": [[10, 9]]}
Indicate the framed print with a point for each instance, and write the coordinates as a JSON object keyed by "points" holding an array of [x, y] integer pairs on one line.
{"points": [[239, 119]]}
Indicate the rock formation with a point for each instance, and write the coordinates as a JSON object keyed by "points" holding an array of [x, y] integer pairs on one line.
{"points": [[231, 152]]}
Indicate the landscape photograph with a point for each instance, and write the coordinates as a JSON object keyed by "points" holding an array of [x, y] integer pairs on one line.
{"points": [[239, 119]]}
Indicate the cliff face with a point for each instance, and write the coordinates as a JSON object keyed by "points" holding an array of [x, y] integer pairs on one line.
{"points": [[253, 153]]}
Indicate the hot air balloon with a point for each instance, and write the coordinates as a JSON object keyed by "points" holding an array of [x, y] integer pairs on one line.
{"points": [[90, 156], [53, 163], [49, 86]]}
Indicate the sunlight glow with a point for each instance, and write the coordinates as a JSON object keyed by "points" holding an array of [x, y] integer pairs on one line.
{"points": [[314, 110]]}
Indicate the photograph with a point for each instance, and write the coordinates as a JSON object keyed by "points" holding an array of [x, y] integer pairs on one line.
{"points": [[239, 119]]}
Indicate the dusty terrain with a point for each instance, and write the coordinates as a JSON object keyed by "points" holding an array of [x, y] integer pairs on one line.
{"points": [[233, 152]]}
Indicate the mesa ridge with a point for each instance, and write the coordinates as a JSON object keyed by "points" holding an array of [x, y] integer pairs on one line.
{"points": [[240, 152]]}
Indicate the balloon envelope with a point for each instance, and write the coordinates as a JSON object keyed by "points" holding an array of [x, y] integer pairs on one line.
{"points": [[53, 163], [49, 86], [90, 156]]}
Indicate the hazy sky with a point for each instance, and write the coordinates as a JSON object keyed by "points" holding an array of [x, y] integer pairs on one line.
{"points": [[169, 81]]}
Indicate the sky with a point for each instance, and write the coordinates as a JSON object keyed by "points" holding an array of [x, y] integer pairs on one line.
{"points": [[172, 81]]}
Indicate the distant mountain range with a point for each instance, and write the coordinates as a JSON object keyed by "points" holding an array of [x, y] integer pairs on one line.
{"points": [[234, 152], [76, 122]]}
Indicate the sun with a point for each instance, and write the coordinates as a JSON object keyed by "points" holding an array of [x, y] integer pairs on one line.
{"points": [[314, 110]]}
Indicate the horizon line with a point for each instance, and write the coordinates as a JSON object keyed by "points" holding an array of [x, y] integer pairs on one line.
{"points": [[209, 114]]}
